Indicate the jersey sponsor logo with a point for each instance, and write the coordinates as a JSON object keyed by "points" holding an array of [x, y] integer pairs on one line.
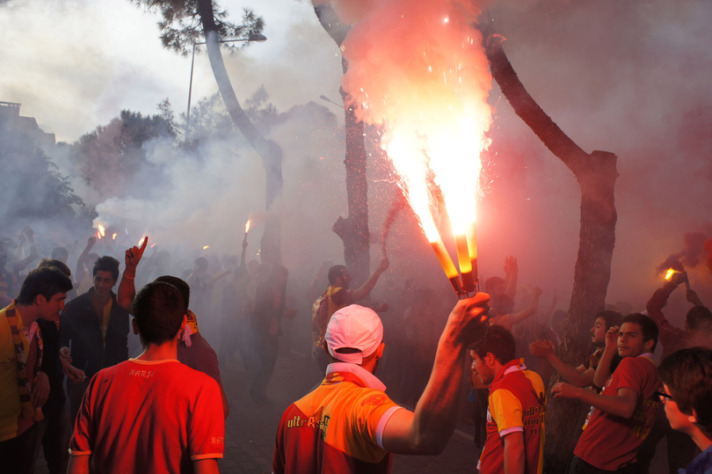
{"points": [[144, 374], [311, 422]]}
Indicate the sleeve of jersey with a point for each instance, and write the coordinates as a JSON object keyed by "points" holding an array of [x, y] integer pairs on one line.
{"points": [[83, 437], [627, 375], [506, 411], [373, 413], [207, 423]]}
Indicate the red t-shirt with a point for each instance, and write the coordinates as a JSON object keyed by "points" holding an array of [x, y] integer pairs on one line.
{"points": [[517, 402], [140, 416], [337, 428], [610, 442]]}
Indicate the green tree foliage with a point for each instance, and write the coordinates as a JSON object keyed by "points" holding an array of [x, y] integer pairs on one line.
{"points": [[181, 23], [32, 186], [110, 157]]}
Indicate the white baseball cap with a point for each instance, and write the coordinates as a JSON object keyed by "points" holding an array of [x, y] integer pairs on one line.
{"points": [[355, 327]]}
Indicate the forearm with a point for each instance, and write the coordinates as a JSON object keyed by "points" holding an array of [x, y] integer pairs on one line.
{"points": [[436, 412], [614, 405], [658, 301], [511, 285], [127, 289], [514, 458], [603, 369], [366, 288], [78, 464], [569, 373]]}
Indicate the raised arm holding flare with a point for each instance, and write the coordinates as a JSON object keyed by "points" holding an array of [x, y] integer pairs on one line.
{"points": [[348, 424]]}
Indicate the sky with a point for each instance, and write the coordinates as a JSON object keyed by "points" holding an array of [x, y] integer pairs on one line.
{"points": [[631, 78]]}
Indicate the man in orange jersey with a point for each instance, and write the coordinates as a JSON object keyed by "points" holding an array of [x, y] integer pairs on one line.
{"points": [[515, 415], [348, 424]]}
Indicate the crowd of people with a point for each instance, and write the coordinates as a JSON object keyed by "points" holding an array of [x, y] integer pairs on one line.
{"points": [[70, 389]]}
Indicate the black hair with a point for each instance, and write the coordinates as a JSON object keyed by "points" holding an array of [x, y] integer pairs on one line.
{"points": [[334, 273], [58, 264], [699, 317], [180, 284], [612, 318], [159, 311], [45, 281], [497, 340], [688, 375], [107, 264]]}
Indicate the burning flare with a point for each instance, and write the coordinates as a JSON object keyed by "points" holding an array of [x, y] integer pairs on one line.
{"points": [[419, 71]]}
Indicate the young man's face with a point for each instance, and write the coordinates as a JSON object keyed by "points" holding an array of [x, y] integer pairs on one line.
{"points": [[478, 365], [630, 340], [598, 331], [678, 420], [103, 283], [50, 308]]}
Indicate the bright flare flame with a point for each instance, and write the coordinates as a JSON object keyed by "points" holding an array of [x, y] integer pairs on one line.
{"points": [[206, 247], [426, 84], [113, 236], [247, 225], [100, 231], [670, 272]]}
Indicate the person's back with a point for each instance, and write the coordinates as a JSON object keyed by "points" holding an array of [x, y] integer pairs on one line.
{"points": [[152, 413], [140, 416], [350, 402]]}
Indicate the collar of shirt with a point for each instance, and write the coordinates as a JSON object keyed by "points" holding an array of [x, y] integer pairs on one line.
{"points": [[511, 366], [369, 380]]}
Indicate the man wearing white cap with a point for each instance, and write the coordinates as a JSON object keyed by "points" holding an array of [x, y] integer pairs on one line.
{"points": [[348, 423]]}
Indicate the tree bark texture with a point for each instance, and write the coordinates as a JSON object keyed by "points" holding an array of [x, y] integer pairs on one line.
{"points": [[596, 174], [268, 150], [353, 229]]}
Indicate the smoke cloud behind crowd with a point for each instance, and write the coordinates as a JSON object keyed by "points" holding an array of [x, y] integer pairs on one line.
{"points": [[631, 78]]}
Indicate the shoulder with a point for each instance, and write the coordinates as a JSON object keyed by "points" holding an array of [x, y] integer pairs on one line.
{"points": [[80, 300]]}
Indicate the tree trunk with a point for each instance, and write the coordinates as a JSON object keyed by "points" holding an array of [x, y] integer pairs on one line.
{"points": [[269, 151], [596, 174], [353, 229]]}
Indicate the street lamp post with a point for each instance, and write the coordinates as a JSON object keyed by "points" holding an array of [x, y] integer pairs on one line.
{"points": [[256, 37]]}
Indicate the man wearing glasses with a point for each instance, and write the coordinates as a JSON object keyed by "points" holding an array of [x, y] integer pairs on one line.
{"points": [[624, 413], [687, 395]]}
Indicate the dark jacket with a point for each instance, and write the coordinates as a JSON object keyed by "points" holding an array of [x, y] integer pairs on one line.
{"points": [[80, 330]]}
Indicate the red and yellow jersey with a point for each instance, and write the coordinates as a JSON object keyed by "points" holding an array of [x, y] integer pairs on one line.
{"points": [[10, 407], [336, 428], [517, 402]]}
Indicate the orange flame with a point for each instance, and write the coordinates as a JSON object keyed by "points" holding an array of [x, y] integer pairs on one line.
{"points": [[670, 272]]}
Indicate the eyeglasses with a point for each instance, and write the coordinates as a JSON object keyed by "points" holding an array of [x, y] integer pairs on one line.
{"points": [[664, 397]]}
